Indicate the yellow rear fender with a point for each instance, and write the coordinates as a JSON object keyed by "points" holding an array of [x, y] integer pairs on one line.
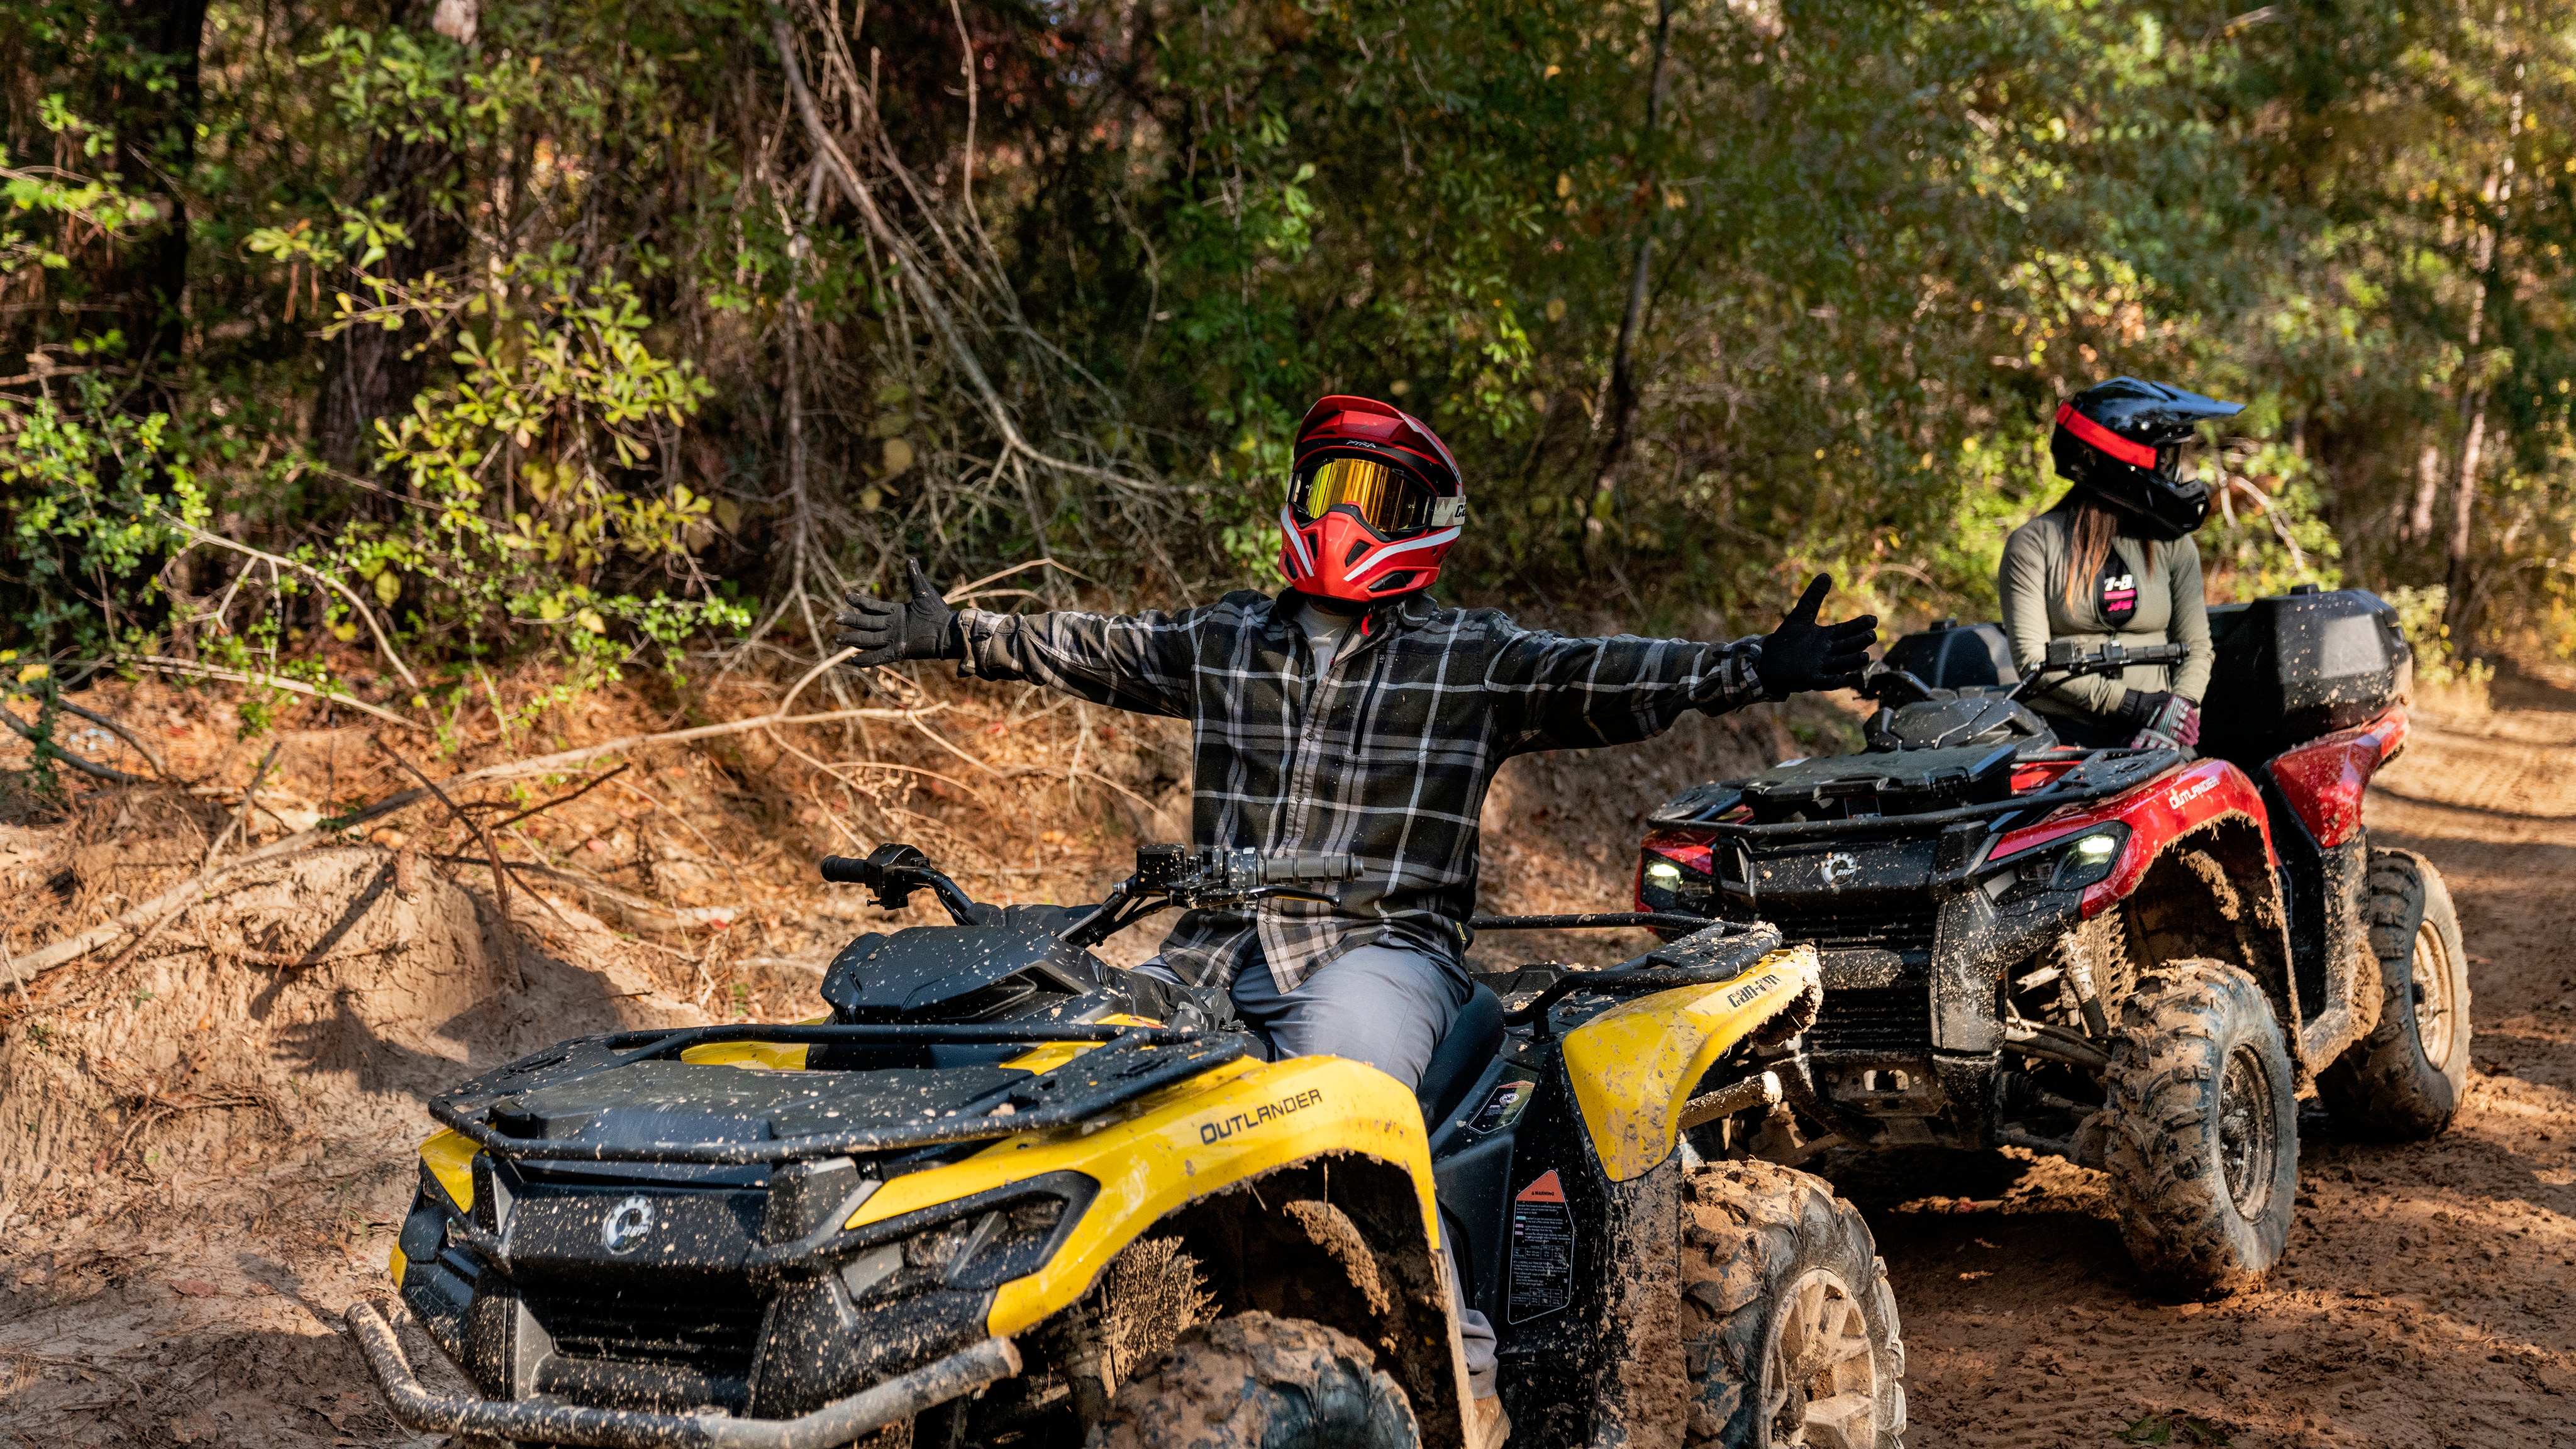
{"points": [[1633, 1066]]}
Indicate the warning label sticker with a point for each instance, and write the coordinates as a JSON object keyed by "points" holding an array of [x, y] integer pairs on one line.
{"points": [[1542, 1250]]}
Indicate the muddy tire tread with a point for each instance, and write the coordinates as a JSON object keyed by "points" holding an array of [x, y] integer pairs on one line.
{"points": [[1742, 1226], [2161, 1084], [2383, 1084], [1253, 1381]]}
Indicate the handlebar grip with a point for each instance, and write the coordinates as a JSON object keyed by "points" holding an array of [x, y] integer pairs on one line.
{"points": [[1281, 870], [845, 870]]}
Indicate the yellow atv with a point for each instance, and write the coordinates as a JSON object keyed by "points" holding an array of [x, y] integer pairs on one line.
{"points": [[1006, 1194]]}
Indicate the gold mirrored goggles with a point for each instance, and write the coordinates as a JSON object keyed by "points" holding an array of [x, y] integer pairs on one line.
{"points": [[1389, 500]]}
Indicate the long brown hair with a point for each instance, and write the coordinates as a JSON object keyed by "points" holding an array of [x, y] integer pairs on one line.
{"points": [[2090, 527]]}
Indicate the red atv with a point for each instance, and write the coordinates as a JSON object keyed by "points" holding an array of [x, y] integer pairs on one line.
{"points": [[2138, 959]]}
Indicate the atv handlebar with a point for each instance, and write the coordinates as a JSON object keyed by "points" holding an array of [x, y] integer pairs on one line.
{"points": [[1290, 869], [894, 872], [1890, 685], [1166, 875], [2068, 662]]}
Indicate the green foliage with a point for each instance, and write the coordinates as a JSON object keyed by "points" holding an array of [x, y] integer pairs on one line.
{"points": [[93, 497], [564, 339], [2438, 661]]}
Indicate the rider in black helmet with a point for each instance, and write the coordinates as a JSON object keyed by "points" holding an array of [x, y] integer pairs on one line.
{"points": [[2113, 561]]}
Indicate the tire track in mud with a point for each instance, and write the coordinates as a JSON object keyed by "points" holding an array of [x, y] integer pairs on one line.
{"points": [[2429, 1294]]}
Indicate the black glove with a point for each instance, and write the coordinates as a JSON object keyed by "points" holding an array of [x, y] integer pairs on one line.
{"points": [[883, 632], [2170, 718], [1803, 655]]}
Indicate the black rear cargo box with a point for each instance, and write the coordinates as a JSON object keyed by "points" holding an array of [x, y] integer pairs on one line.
{"points": [[2300, 665], [1950, 655]]}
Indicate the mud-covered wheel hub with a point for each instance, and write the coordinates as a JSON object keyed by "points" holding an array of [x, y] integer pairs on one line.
{"points": [[2249, 1138], [1824, 1378], [2431, 971]]}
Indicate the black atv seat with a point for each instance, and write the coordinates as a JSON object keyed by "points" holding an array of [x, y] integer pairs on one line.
{"points": [[1464, 1051]]}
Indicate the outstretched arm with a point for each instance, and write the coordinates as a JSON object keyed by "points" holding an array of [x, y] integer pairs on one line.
{"points": [[1584, 693], [1134, 662]]}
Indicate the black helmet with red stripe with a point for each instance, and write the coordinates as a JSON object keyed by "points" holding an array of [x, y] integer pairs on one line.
{"points": [[2121, 441], [1373, 504]]}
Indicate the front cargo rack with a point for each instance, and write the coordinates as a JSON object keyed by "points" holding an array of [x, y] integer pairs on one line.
{"points": [[1131, 1062], [2099, 775]]}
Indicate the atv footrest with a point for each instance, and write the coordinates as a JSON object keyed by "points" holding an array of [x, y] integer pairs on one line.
{"points": [[554, 1421]]}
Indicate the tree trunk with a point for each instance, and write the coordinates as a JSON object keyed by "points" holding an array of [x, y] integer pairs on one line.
{"points": [[1621, 400], [149, 97], [369, 373]]}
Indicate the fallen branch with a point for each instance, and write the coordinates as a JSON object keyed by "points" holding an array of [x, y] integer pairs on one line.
{"points": [[72, 948], [150, 756], [567, 759], [186, 670], [565, 799], [500, 878], [214, 848], [249, 798], [632, 906], [151, 912], [47, 748]]}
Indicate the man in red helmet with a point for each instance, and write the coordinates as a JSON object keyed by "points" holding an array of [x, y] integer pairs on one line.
{"points": [[1349, 714]]}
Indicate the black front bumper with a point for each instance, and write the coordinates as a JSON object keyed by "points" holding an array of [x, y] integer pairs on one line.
{"points": [[553, 1421]]}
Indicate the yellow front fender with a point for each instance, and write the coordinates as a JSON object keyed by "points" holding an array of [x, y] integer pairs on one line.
{"points": [[1192, 1141], [1633, 1066]]}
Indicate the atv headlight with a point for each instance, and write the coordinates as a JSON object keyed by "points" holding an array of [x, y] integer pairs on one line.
{"points": [[2090, 858], [1011, 1237], [1675, 875], [2068, 863]]}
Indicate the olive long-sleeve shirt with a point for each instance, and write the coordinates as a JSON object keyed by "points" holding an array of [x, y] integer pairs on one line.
{"points": [[2169, 609]]}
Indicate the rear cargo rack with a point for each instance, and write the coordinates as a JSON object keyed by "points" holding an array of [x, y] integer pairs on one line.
{"points": [[2120, 770], [1131, 1062]]}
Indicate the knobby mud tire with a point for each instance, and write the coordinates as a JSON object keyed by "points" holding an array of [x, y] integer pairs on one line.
{"points": [[2405, 1079], [1790, 1330], [1252, 1381], [2204, 1128]]}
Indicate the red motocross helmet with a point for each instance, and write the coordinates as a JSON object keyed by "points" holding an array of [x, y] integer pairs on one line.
{"points": [[1374, 502]]}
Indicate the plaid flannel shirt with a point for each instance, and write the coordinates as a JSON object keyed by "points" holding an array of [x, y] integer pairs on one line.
{"points": [[1386, 754]]}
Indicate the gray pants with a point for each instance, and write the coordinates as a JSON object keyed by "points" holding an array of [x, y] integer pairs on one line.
{"points": [[1385, 1006]]}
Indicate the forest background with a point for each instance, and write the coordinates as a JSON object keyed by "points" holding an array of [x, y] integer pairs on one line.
{"points": [[361, 347]]}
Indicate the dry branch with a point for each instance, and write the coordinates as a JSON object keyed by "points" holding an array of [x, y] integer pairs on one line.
{"points": [[500, 878], [90, 768], [187, 669], [117, 728], [275, 561]]}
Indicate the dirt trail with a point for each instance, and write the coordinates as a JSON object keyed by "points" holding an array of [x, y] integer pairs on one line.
{"points": [[178, 1283], [2429, 1297]]}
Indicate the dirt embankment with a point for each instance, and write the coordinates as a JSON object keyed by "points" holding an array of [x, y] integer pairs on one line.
{"points": [[2429, 1295]]}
